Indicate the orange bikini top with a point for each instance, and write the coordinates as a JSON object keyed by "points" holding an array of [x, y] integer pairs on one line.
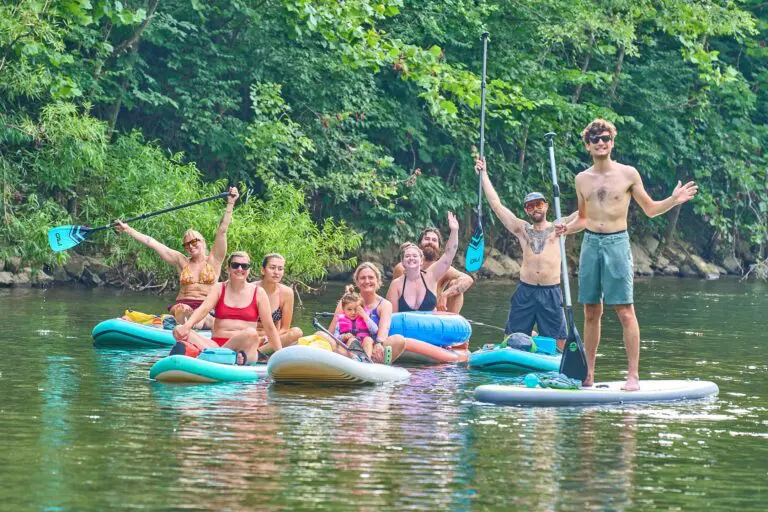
{"points": [[207, 275]]}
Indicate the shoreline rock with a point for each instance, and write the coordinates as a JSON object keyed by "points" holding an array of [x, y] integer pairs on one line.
{"points": [[675, 259]]}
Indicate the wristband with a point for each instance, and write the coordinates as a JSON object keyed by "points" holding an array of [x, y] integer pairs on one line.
{"points": [[378, 342]]}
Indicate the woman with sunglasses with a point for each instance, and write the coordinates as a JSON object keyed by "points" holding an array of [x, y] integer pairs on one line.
{"points": [[281, 298], [241, 308], [199, 271]]}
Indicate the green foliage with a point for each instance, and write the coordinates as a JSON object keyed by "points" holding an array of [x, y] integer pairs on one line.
{"points": [[370, 109]]}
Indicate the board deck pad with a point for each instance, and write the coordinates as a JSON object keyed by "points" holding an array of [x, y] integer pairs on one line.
{"points": [[600, 393]]}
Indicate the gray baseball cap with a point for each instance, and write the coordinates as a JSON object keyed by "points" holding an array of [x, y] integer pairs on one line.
{"points": [[533, 196]]}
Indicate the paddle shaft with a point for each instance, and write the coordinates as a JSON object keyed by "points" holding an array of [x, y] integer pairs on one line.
{"points": [[482, 129], [556, 193], [316, 323], [160, 212]]}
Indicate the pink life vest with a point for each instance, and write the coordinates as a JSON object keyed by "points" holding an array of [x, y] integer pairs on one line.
{"points": [[356, 326]]}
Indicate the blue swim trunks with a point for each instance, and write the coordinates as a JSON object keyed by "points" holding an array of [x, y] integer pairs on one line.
{"points": [[541, 305], [606, 271]]}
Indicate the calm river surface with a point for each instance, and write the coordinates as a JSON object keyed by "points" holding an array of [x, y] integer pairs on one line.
{"points": [[85, 429]]}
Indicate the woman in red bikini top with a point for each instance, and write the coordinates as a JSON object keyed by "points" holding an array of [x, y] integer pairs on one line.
{"points": [[239, 306]]}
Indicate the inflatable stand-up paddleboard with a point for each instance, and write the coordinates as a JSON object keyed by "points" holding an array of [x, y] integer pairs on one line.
{"points": [[511, 360], [303, 363], [184, 369], [442, 330], [120, 333], [601, 393], [421, 352]]}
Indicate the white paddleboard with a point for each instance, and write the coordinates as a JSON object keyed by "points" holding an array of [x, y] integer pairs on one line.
{"points": [[302, 363], [600, 393]]}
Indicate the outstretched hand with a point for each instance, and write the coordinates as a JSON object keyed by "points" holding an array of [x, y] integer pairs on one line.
{"points": [[684, 193], [453, 224], [479, 164], [233, 195], [121, 227]]}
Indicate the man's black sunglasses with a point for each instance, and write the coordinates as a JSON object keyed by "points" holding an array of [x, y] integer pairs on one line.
{"points": [[235, 265], [594, 138]]}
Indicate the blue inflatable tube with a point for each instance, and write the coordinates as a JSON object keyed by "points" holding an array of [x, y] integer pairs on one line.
{"points": [[436, 329]]}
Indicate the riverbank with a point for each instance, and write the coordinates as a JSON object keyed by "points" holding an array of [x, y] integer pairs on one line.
{"points": [[650, 258]]}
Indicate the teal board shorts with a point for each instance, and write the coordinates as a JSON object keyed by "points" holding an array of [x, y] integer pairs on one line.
{"points": [[606, 269]]}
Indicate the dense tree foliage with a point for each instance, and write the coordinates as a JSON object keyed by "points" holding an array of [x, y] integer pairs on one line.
{"points": [[370, 108]]}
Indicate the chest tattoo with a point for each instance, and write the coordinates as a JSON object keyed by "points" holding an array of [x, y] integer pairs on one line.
{"points": [[537, 240]]}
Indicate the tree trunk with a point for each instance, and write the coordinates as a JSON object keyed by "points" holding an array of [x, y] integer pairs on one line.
{"points": [[523, 144], [617, 73], [584, 68]]}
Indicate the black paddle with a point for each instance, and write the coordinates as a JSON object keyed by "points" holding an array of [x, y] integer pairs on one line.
{"points": [[574, 362], [476, 248], [66, 237], [360, 353]]}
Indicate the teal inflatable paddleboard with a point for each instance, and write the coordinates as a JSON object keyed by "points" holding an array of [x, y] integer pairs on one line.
{"points": [[120, 333], [183, 369], [601, 393], [512, 360]]}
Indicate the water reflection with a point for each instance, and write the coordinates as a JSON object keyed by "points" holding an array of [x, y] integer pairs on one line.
{"points": [[85, 429]]}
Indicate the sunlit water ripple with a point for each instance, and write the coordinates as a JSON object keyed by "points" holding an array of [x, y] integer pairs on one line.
{"points": [[85, 429]]}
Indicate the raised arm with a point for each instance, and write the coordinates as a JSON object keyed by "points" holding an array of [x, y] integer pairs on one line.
{"points": [[219, 251], [167, 254], [681, 194], [571, 217], [265, 315], [441, 266], [505, 215]]}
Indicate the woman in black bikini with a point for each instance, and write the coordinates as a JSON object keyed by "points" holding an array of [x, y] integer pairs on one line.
{"points": [[416, 289], [280, 298]]}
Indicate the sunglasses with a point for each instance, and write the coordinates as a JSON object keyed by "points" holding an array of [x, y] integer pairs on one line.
{"points": [[191, 243], [236, 265], [604, 138], [535, 205]]}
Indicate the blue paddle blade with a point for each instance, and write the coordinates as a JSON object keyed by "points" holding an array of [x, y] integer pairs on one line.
{"points": [[66, 237], [475, 250]]}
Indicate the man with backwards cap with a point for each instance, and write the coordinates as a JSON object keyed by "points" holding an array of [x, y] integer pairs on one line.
{"points": [[538, 299]]}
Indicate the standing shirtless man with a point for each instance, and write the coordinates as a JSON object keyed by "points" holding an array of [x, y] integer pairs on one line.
{"points": [[605, 265], [451, 288], [538, 299]]}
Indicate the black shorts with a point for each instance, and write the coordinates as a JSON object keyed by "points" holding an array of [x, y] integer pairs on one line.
{"points": [[539, 305]]}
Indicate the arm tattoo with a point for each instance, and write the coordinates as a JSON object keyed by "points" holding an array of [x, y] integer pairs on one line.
{"points": [[537, 240]]}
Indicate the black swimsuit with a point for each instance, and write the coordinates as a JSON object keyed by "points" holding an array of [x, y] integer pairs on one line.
{"points": [[428, 304]]}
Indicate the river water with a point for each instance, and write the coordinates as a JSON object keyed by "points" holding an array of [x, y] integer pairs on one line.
{"points": [[85, 429]]}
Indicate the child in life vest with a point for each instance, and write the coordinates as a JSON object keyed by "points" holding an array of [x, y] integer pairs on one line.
{"points": [[354, 326]]}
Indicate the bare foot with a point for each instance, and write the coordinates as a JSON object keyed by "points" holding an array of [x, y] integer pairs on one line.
{"points": [[632, 384], [588, 382]]}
